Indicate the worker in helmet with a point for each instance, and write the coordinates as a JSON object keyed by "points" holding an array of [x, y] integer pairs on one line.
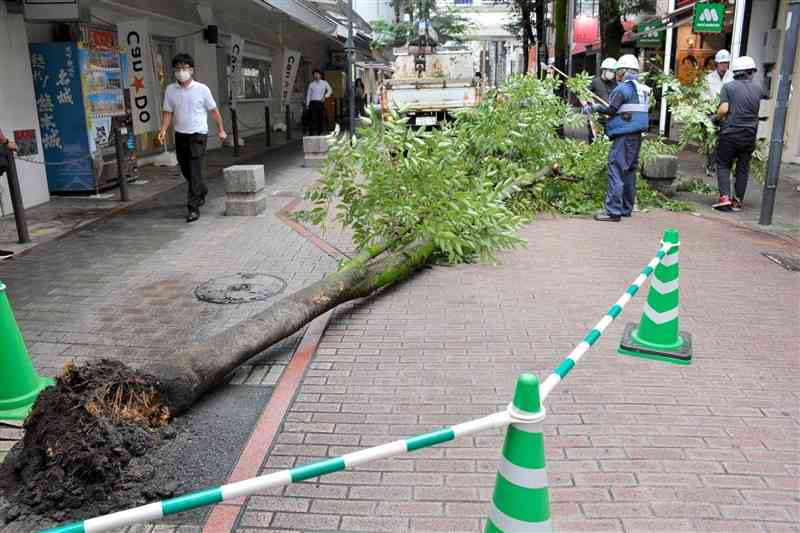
{"points": [[605, 83], [720, 75], [628, 118], [602, 86], [714, 82], [740, 102]]}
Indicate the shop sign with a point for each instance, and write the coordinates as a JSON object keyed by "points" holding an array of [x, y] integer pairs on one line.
{"points": [[135, 36], [291, 64], [654, 39], [26, 142], [235, 55], [708, 18]]}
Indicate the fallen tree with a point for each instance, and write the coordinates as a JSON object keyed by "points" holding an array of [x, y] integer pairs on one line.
{"points": [[410, 197]]}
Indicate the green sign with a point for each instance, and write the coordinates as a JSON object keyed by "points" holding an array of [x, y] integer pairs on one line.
{"points": [[654, 38], [708, 18]]}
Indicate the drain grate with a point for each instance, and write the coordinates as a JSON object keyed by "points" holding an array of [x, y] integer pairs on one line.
{"points": [[240, 288], [791, 264]]}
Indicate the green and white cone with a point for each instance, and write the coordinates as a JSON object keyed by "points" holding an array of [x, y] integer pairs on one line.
{"points": [[658, 335], [19, 383], [521, 501]]}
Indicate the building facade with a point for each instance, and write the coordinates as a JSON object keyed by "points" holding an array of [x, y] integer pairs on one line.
{"points": [[269, 33]]}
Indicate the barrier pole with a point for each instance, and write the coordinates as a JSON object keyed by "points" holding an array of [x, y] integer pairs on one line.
{"points": [[596, 332], [248, 487]]}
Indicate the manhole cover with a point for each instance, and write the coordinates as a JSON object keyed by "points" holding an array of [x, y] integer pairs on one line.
{"points": [[789, 263], [240, 288]]}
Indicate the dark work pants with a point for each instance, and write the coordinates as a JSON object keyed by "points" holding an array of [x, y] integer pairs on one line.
{"points": [[317, 110], [734, 147], [191, 151], [623, 161]]}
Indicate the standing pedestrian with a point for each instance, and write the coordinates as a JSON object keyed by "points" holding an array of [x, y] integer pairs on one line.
{"points": [[318, 91], [360, 96], [6, 146], [187, 104], [714, 82], [628, 119], [740, 102]]}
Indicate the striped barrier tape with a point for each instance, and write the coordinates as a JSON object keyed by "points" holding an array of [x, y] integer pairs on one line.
{"points": [[512, 415]]}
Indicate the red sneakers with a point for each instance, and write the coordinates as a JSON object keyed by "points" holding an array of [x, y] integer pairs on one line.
{"points": [[724, 203]]}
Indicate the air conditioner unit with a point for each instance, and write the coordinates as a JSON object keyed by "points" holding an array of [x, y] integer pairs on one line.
{"points": [[771, 42]]}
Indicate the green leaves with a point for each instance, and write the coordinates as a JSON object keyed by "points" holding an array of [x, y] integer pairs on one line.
{"points": [[469, 185]]}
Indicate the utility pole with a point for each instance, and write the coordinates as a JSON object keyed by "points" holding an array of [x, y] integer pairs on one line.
{"points": [[779, 119], [350, 53]]}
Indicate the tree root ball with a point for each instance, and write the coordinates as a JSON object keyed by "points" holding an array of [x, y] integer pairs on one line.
{"points": [[85, 447]]}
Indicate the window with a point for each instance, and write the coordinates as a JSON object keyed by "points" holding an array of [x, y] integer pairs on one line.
{"points": [[257, 77], [587, 8]]}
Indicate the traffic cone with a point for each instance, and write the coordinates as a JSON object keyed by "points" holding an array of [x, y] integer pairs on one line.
{"points": [[658, 335], [19, 382], [521, 501]]}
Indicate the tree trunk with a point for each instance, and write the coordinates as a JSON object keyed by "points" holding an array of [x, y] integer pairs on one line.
{"points": [[541, 38], [527, 33], [189, 373], [611, 29], [195, 369], [561, 23]]}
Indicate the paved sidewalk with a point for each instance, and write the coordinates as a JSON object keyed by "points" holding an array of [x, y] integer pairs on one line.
{"points": [[786, 213], [633, 445], [63, 214]]}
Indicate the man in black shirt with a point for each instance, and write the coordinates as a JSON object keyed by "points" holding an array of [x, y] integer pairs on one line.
{"points": [[740, 101]]}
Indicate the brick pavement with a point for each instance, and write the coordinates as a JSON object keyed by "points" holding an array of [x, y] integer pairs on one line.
{"points": [[633, 445], [123, 288]]}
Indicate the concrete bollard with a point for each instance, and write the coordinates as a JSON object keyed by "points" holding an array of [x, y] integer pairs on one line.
{"points": [[244, 190], [661, 173], [315, 148]]}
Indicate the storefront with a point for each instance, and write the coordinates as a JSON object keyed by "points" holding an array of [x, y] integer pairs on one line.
{"points": [[268, 35]]}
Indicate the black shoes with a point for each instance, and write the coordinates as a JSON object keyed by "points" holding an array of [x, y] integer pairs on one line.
{"points": [[192, 216], [604, 216]]}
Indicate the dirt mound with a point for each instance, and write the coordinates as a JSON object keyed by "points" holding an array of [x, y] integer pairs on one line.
{"points": [[85, 447]]}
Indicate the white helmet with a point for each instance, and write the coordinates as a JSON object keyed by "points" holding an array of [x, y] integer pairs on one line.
{"points": [[743, 63], [609, 63], [628, 61], [723, 56]]}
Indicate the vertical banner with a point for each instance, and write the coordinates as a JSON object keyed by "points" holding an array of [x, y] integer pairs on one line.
{"points": [[134, 35], [235, 53], [291, 64]]}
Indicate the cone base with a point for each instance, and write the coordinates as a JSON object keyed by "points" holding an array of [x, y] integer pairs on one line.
{"points": [[18, 408], [679, 356]]}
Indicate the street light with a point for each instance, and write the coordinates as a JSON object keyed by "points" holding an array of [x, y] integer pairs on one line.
{"points": [[350, 53]]}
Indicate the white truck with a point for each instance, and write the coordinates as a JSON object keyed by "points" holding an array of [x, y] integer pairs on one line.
{"points": [[433, 95]]}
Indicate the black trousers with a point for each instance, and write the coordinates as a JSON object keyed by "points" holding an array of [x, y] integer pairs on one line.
{"points": [[734, 147], [191, 151], [317, 110]]}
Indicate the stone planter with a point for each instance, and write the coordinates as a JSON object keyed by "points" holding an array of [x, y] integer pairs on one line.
{"points": [[661, 174], [244, 190], [315, 149]]}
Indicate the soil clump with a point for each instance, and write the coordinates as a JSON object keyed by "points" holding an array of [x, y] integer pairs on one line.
{"points": [[86, 444]]}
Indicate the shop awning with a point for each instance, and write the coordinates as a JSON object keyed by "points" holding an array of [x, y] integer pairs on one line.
{"points": [[303, 14]]}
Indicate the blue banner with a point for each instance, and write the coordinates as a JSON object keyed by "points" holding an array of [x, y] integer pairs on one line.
{"points": [[62, 116]]}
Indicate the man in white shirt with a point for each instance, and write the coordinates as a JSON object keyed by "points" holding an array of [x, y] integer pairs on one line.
{"points": [[187, 104], [714, 82], [318, 91]]}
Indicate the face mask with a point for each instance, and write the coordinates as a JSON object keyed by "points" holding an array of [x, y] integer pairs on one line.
{"points": [[608, 75], [183, 75]]}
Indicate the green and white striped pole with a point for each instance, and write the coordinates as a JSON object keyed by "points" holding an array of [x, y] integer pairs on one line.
{"points": [[658, 335], [521, 501]]}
